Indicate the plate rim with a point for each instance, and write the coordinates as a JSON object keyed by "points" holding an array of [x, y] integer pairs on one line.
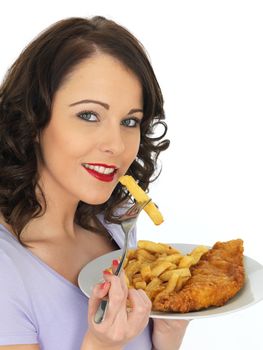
{"points": [[199, 314]]}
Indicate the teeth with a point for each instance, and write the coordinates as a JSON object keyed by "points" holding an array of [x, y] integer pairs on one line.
{"points": [[108, 171], [100, 169]]}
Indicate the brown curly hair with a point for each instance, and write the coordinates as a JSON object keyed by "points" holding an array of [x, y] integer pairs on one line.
{"points": [[25, 107]]}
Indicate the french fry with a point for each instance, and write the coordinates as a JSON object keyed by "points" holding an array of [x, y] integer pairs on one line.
{"points": [[180, 282], [173, 258], [131, 269], [132, 186], [198, 252], [172, 282], [186, 261], [156, 247], [140, 196], [152, 286], [143, 254], [140, 285], [170, 249], [127, 281], [185, 272], [146, 272], [131, 254], [154, 213], [159, 268]]}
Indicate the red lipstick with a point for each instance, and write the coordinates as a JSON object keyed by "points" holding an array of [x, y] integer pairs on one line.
{"points": [[98, 175]]}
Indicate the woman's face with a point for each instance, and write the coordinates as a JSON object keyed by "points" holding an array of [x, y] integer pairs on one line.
{"points": [[94, 132]]}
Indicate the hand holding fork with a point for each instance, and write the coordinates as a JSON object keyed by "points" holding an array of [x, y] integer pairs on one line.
{"points": [[128, 221]]}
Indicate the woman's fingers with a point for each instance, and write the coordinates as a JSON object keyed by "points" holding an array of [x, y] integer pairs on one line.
{"points": [[118, 294], [98, 293], [139, 298], [118, 326], [122, 276], [118, 323], [114, 265], [140, 307]]}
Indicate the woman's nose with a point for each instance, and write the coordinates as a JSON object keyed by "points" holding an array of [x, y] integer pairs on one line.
{"points": [[112, 141]]}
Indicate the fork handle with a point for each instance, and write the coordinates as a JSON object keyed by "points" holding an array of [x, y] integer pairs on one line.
{"points": [[100, 313]]}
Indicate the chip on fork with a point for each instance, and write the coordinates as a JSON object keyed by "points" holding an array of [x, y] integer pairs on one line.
{"points": [[127, 222]]}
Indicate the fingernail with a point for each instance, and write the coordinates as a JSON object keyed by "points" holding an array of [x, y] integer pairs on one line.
{"points": [[115, 262], [104, 285], [107, 272]]}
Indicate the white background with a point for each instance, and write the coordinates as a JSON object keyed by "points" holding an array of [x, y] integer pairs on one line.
{"points": [[208, 59]]}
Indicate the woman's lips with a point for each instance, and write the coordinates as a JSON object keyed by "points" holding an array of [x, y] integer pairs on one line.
{"points": [[100, 176]]}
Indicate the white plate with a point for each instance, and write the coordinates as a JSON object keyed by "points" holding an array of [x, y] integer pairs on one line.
{"points": [[251, 293]]}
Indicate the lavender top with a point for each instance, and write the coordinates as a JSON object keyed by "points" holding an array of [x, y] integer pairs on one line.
{"points": [[38, 305]]}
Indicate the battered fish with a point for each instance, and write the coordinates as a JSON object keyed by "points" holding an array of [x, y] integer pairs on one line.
{"points": [[216, 278]]}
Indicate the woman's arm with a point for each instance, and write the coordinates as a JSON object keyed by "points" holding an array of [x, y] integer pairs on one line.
{"points": [[168, 334], [91, 343]]}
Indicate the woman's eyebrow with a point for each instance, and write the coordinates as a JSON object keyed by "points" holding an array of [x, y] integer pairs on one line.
{"points": [[103, 104]]}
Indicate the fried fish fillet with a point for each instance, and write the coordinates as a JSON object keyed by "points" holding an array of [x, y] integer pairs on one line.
{"points": [[216, 278]]}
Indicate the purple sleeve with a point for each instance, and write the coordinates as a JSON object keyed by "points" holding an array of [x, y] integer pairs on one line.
{"points": [[16, 316]]}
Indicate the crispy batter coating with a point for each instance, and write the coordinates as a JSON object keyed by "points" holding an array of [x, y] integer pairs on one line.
{"points": [[216, 278]]}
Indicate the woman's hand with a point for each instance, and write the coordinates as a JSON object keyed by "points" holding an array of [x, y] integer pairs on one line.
{"points": [[168, 334], [118, 326]]}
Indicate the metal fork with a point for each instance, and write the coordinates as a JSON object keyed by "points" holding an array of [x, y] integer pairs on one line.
{"points": [[127, 222]]}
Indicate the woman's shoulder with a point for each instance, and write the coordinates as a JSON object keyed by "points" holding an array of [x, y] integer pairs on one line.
{"points": [[10, 263], [8, 252], [16, 317], [8, 241], [13, 257]]}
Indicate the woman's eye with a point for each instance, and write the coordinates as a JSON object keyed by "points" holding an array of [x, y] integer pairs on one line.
{"points": [[88, 115], [131, 122]]}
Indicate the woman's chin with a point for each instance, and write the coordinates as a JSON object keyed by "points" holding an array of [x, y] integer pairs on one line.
{"points": [[96, 200]]}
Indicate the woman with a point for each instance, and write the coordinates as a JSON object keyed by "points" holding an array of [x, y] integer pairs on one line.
{"points": [[77, 111]]}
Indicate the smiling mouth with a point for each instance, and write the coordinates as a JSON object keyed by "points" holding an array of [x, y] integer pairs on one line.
{"points": [[101, 172]]}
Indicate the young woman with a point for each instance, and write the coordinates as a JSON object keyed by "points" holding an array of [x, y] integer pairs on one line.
{"points": [[77, 111]]}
